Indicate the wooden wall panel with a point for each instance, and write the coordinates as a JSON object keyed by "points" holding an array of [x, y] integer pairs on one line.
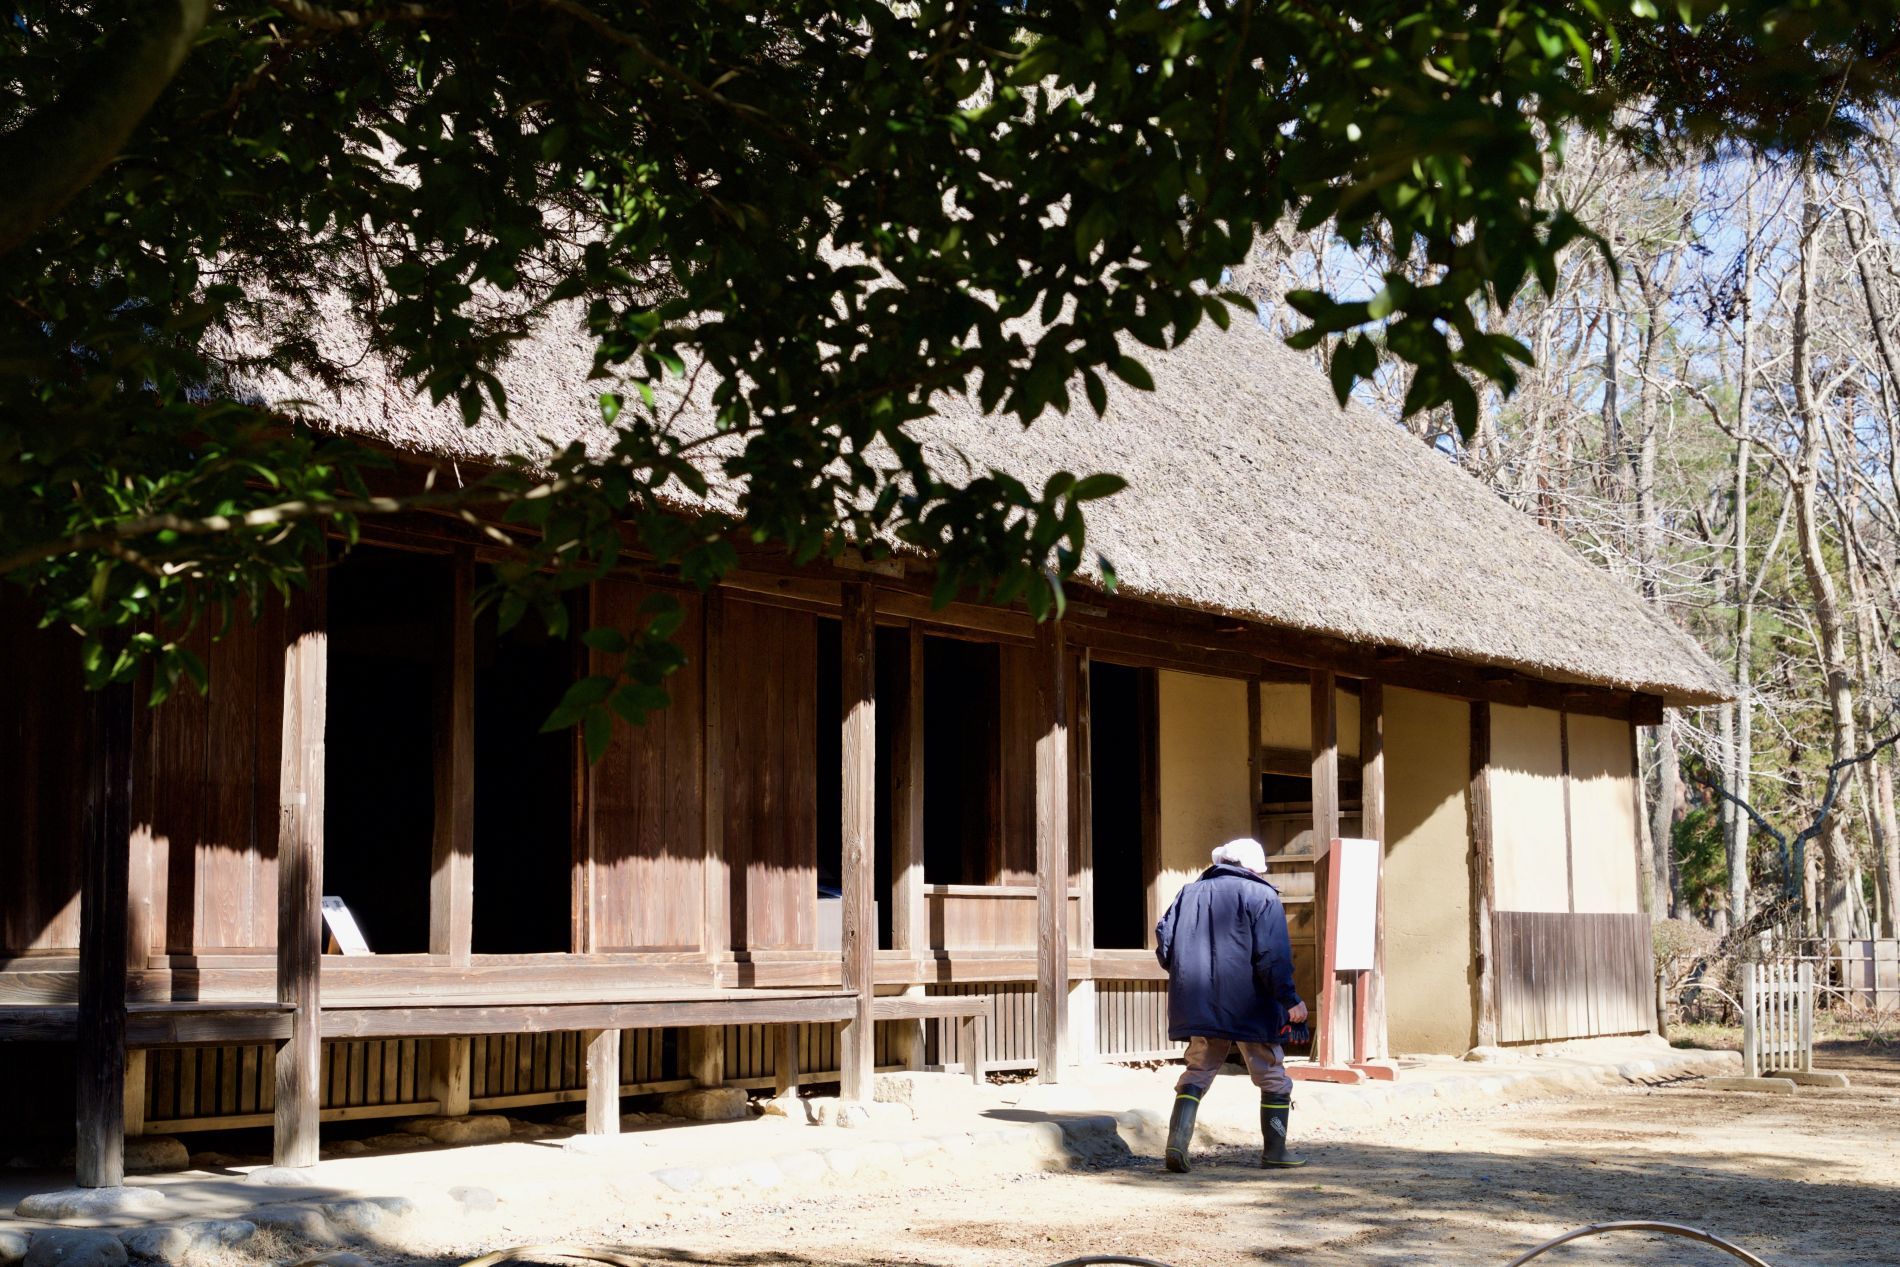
{"points": [[205, 780], [1572, 976], [43, 756], [647, 843], [768, 730]]}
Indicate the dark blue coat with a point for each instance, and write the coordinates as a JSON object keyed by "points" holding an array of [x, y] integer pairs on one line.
{"points": [[1230, 965]]}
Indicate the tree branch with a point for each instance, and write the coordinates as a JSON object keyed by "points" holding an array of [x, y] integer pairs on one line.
{"points": [[63, 145]]}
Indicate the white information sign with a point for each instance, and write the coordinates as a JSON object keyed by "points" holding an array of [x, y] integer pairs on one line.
{"points": [[1355, 932], [342, 926]]}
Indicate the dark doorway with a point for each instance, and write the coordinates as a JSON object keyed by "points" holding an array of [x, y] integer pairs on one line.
{"points": [[961, 762], [386, 609], [1116, 744], [525, 792]]}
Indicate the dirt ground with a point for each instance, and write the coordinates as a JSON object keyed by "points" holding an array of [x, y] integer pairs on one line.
{"points": [[1808, 1181]]}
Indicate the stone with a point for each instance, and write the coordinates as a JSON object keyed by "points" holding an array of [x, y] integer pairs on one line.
{"points": [[802, 1166], [884, 1155], [789, 1105], [165, 1243], [1764, 1086], [707, 1104], [844, 1162], [93, 1205], [12, 1248], [283, 1177], [1816, 1078], [343, 1148], [831, 1111], [1487, 1055], [355, 1217], [219, 1233], [145, 1153], [762, 1172], [473, 1199], [301, 1221], [74, 1247], [915, 1148], [922, 1092], [478, 1128], [212, 1161], [679, 1178]]}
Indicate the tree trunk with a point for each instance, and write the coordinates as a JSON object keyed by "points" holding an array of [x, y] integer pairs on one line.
{"points": [[1834, 914], [1664, 886]]}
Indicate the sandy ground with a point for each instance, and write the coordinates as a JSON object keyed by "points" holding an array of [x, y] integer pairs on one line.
{"points": [[1808, 1181]]}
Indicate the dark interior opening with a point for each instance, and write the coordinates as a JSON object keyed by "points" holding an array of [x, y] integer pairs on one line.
{"points": [[1115, 754], [961, 743], [893, 683], [385, 615], [524, 790]]}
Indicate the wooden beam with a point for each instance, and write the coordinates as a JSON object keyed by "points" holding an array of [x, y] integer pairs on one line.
{"points": [[300, 876], [452, 864], [910, 929], [1082, 812], [706, 1043], [1330, 1014], [603, 1080], [100, 1063], [1052, 852], [1483, 881], [857, 1055], [1372, 827]]}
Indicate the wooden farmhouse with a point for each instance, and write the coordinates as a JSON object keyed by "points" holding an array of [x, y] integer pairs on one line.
{"points": [[861, 820]]}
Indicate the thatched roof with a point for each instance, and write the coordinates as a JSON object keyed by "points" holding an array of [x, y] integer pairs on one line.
{"points": [[1251, 493]]}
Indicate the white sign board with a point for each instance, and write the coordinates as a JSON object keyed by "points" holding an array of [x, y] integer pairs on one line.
{"points": [[342, 926], [1356, 879]]}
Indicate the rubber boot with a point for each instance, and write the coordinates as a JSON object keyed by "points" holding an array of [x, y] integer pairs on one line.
{"points": [[1181, 1131], [1273, 1124]]}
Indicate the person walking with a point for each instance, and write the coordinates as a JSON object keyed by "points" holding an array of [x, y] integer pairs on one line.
{"points": [[1224, 945]]}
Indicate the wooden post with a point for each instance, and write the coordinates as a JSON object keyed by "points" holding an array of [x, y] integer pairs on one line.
{"points": [[705, 1057], [452, 870], [857, 1054], [1563, 758], [449, 1075], [1372, 826], [300, 876], [1084, 1042], [909, 929], [603, 1080], [718, 873], [1483, 883], [785, 1070], [1330, 1017], [100, 1071], [1052, 853]]}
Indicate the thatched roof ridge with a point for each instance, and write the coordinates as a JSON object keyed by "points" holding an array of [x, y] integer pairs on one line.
{"points": [[1251, 493]]}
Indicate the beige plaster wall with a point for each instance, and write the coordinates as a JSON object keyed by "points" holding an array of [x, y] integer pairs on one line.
{"points": [[1602, 815], [1203, 775], [1529, 861], [1428, 888], [1286, 718]]}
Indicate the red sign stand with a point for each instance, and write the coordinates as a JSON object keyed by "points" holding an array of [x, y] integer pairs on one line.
{"points": [[1326, 1067]]}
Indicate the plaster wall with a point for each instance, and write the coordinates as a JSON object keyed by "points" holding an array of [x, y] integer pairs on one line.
{"points": [[1286, 718], [1529, 862], [1603, 831], [1203, 774]]}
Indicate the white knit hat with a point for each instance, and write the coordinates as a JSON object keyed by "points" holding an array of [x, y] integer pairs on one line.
{"points": [[1243, 851]]}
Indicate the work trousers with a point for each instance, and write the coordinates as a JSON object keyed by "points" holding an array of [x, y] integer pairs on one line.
{"points": [[1266, 1064]]}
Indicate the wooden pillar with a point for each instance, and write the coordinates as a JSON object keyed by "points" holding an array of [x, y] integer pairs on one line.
{"points": [[1052, 852], [1483, 882], [1330, 1012], [910, 930], [452, 870], [449, 1075], [1372, 827], [1148, 796], [717, 938], [1570, 857], [300, 877], [858, 868], [603, 1080], [100, 1062], [706, 1055]]}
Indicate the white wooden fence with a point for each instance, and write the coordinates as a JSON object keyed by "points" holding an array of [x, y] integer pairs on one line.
{"points": [[1778, 1018]]}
